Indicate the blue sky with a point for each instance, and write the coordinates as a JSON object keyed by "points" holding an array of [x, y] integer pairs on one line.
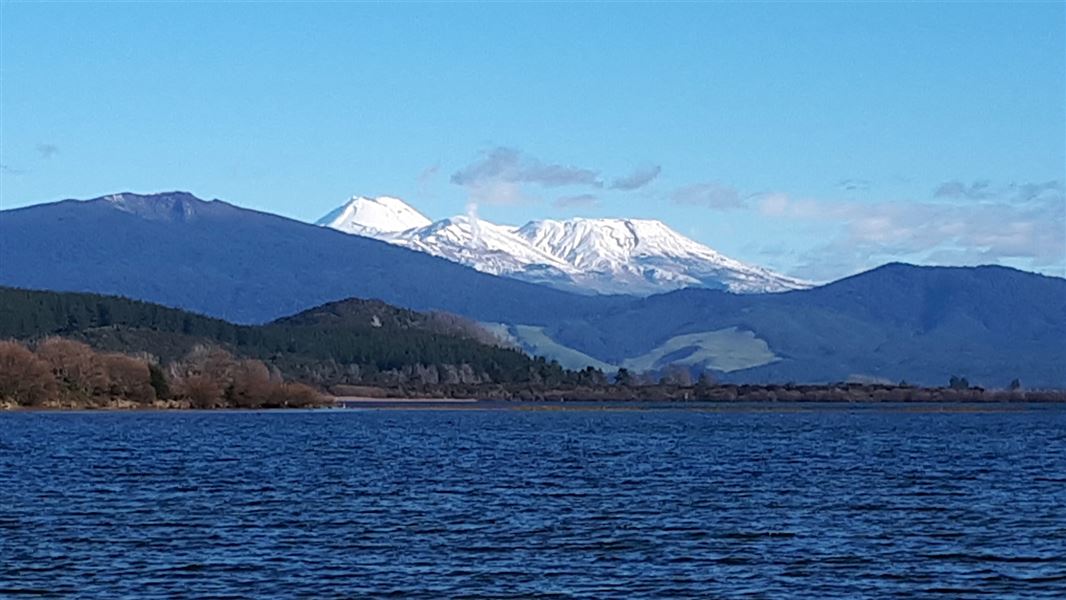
{"points": [[817, 139]]}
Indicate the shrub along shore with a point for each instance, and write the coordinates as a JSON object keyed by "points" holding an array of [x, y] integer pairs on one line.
{"points": [[59, 373]]}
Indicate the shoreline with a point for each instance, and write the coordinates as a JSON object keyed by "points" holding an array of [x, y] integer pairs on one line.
{"points": [[690, 405], [371, 400], [359, 404]]}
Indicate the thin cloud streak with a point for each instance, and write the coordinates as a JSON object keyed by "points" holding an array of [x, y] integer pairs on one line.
{"points": [[47, 150], [637, 179], [512, 166], [854, 185], [984, 190], [710, 194], [428, 173], [978, 190], [578, 201], [426, 177]]}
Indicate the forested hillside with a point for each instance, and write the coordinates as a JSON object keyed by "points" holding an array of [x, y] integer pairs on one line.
{"points": [[348, 342]]}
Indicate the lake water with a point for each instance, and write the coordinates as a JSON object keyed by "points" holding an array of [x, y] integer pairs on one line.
{"points": [[845, 502]]}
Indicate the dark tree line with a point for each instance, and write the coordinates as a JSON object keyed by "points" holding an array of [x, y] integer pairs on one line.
{"points": [[348, 342]]}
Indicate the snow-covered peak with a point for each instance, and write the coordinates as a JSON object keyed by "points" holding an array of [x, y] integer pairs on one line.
{"points": [[373, 216], [645, 255], [628, 256], [486, 246], [606, 243]]}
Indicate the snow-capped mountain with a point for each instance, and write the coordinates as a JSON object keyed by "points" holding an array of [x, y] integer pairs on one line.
{"points": [[487, 247], [630, 256], [374, 216], [647, 256]]}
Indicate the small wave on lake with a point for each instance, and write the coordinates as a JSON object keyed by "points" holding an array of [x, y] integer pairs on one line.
{"points": [[489, 503]]}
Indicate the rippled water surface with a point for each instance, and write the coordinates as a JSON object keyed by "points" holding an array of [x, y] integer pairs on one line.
{"points": [[867, 502]]}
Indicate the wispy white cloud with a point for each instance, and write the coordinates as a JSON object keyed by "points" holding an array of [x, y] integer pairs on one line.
{"points": [[428, 173], [578, 201], [988, 231], [978, 190], [637, 179], [502, 164], [984, 189], [499, 192], [710, 194], [426, 177], [47, 151], [502, 175], [854, 185], [1032, 190]]}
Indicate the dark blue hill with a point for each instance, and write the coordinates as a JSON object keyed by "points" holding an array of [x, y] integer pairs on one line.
{"points": [[242, 265], [923, 324]]}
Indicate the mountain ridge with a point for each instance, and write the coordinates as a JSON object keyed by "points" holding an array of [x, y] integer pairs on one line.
{"points": [[243, 265], [895, 322], [923, 324], [608, 255]]}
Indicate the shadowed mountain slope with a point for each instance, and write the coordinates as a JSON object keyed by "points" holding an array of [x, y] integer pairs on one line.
{"points": [[242, 265], [898, 321]]}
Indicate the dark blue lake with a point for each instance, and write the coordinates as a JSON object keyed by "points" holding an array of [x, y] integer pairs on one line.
{"points": [[843, 502]]}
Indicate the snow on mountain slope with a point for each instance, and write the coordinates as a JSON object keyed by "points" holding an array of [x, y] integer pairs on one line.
{"points": [[647, 256], [374, 216], [487, 247], [623, 256]]}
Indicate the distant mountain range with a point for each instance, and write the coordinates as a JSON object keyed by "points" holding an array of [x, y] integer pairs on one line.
{"points": [[921, 324], [243, 265], [610, 256], [897, 322]]}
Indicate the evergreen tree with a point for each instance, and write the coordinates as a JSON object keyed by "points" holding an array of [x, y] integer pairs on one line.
{"points": [[158, 380]]}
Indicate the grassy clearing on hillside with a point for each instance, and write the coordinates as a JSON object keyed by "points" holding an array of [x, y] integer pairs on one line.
{"points": [[724, 350], [540, 344]]}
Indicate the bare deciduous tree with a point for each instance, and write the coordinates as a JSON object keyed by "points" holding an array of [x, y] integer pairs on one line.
{"points": [[24, 378], [75, 365], [129, 378]]}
